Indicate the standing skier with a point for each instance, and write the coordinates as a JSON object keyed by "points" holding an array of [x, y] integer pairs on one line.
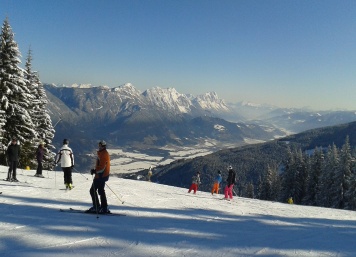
{"points": [[230, 184], [13, 156], [39, 158], [149, 174], [66, 157], [217, 182], [195, 183], [102, 172]]}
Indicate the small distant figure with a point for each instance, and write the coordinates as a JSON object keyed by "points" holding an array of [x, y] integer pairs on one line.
{"points": [[290, 200], [230, 184], [217, 182], [195, 183], [66, 157], [13, 155], [149, 174], [39, 158]]}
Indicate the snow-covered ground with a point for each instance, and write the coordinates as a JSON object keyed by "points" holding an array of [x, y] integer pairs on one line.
{"points": [[161, 221], [128, 162]]}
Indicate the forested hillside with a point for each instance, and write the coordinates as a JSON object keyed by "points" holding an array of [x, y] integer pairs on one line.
{"points": [[287, 167]]}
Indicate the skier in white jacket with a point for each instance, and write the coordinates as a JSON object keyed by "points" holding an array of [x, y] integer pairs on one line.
{"points": [[66, 157]]}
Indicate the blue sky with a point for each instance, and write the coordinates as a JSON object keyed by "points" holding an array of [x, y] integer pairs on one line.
{"points": [[286, 53]]}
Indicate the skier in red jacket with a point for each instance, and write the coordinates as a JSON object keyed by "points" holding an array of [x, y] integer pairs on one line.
{"points": [[230, 184]]}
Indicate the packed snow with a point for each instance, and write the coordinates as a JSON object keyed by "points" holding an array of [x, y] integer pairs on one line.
{"points": [[161, 221]]}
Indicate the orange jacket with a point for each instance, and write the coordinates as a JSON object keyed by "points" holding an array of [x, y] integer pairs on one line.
{"points": [[102, 164]]}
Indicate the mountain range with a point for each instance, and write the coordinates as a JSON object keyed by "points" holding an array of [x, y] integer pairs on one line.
{"points": [[130, 119]]}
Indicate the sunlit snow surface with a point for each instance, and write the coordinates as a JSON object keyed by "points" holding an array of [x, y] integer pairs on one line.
{"points": [[161, 221]]}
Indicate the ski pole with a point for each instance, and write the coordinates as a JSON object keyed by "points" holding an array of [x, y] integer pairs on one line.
{"points": [[80, 173], [19, 164], [55, 176], [234, 192], [95, 199], [115, 194]]}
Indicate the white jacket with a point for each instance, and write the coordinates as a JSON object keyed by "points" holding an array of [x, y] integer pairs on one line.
{"points": [[65, 156]]}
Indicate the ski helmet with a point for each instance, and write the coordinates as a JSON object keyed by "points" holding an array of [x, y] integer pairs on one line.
{"points": [[65, 141], [102, 143], [230, 167]]}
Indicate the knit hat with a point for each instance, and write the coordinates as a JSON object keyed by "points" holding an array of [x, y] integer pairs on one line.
{"points": [[102, 143]]}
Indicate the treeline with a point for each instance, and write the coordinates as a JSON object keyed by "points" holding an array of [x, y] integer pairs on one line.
{"points": [[322, 177], [23, 100]]}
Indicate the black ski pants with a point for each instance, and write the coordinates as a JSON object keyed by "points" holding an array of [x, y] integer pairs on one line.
{"points": [[12, 169], [39, 168], [98, 186], [67, 175]]}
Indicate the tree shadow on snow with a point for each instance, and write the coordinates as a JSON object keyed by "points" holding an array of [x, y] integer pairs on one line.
{"points": [[188, 231]]}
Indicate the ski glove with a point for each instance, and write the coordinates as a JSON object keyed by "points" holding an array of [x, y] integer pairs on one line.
{"points": [[92, 171]]}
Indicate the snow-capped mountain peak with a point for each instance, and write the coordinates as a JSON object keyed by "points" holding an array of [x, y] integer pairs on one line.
{"points": [[127, 89], [168, 99], [211, 100]]}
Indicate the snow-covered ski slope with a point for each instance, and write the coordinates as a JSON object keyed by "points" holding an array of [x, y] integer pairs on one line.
{"points": [[161, 221]]}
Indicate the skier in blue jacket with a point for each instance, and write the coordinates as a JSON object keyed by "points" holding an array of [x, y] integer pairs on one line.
{"points": [[217, 182]]}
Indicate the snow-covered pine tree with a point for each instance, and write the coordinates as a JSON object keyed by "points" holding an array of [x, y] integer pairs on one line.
{"points": [[301, 161], [250, 190], [315, 169], [271, 185], [2, 123], [351, 194], [343, 175], [14, 96], [329, 189], [288, 188], [2, 147], [39, 113]]}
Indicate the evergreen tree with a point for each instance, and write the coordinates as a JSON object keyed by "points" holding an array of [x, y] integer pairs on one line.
{"points": [[313, 186], [2, 123], [288, 177], [250, 190], [259, 188], [343, 175], [301, 176], [39, 113], [2, 147], [14, 96], [351, 192], [330, 166], [270, 186]]}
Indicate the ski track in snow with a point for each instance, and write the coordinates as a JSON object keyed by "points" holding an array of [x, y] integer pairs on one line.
{"points": [[161, 221]]}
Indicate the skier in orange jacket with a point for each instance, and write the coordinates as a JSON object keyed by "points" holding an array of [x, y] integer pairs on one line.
{"points": [[102, 172]]}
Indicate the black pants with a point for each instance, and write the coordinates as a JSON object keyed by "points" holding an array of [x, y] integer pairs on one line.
{"points": [[67, 175], [39, 168], [12, 169], [98, 186]]}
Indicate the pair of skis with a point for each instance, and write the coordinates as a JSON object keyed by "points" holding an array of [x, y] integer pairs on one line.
{"points": [[71, 210]]}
